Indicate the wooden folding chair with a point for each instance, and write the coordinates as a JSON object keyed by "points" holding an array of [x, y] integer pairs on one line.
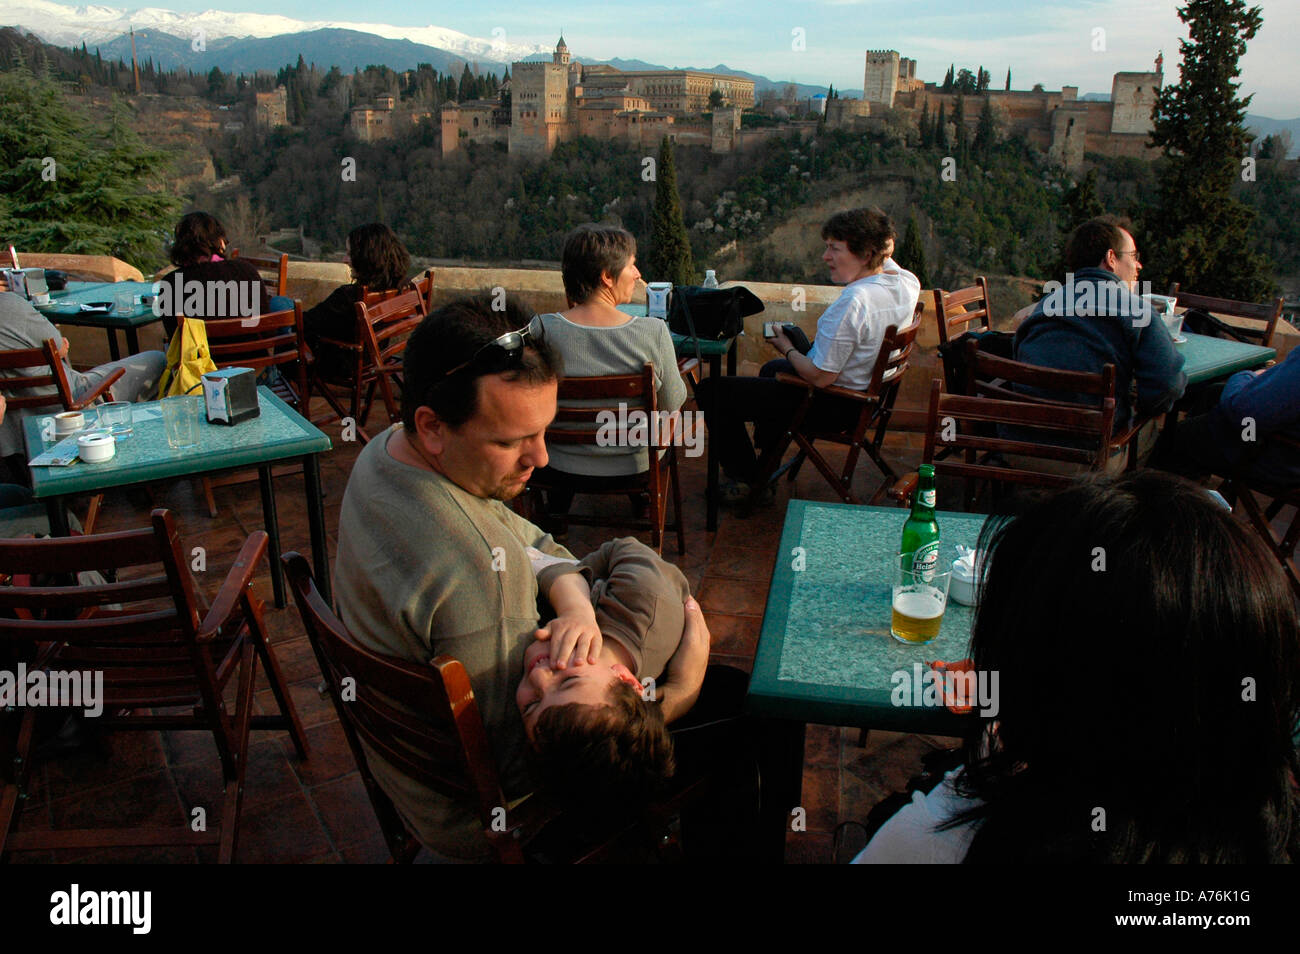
{"points": [[260, 342], [969, 425], [383, 328], [155, 650], [277, 267], [581, 419], [43, 368], [868, 432], [956, 311], [1263, 318]]}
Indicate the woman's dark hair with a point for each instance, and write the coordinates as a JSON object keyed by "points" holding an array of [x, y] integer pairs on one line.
{"points": [[591, 251], [1147, 650], [865, 232], [1088, 243], [198, 238], [455, 334], [379, 259]]}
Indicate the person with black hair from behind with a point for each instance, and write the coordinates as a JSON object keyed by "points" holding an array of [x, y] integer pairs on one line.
{"points": [[1148, 652]]}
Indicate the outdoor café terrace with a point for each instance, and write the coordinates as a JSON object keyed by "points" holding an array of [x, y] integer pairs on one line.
{"points": [[316, 809]]}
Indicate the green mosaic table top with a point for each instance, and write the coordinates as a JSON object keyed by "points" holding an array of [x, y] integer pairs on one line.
{"points": [[277, 433], [65, 305], [1208, 358], [684, 344], [825, 654]]}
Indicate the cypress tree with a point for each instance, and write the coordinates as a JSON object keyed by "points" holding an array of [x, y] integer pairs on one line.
{"points": [[911, 254], [1201, 234], [941, 131], [959, 127], [670, 251], [986, 133], [927, 135], [950, 78], [1008, 86]]}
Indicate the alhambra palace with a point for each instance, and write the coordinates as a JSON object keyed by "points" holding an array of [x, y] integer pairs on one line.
{"points": [[553, 102]]}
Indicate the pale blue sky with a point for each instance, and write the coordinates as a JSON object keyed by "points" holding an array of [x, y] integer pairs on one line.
{"points": [[1040, 40]]}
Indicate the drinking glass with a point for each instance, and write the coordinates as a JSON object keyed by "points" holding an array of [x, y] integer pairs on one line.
{"points": [[918, 601], [116, 416], [181, 421], [124, 303]]}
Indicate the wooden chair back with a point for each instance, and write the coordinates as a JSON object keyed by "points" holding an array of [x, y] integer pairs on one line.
{"points": [[55, 374], [422, 285], [623, 399], [421, 719], [969, 424], [277, 267], [147, 636], [956, 311], [991, 376], [273, 340], [383, 330], [1264, 317]]}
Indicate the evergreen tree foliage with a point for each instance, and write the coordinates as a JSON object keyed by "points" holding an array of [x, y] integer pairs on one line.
{"points": [[1200, 234], [670, 248], [105, 197], [986, 133], [941, 132], [959, 128], [982, 80], [911, 254], [949, 79], [1008, 86], [924, 127]]}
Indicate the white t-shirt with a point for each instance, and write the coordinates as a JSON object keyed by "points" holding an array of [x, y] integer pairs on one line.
{"points": [[910, 837], [850, 331]]}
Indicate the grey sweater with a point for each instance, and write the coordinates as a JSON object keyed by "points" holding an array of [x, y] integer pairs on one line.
{"points": [[623, 349]]}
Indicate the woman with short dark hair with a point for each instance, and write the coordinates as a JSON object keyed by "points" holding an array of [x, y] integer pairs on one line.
{"points": [[1148, 657], [379, 263], [595, 338]]}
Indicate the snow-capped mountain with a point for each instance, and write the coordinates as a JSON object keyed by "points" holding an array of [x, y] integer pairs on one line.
{"points": [[66, 25]]}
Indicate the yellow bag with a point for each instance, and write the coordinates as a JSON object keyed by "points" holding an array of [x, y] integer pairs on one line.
{"points": [[188, 359]]}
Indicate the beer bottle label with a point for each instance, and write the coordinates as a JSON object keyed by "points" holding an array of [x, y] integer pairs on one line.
{"points": [[928, 498], [925, 561]]}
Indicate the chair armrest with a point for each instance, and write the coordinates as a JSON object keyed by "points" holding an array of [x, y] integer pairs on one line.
{"points": [[689, 368], [93, 394], [233, 587], [903, 488], [831, 389], [345, 345], [786, 378]]}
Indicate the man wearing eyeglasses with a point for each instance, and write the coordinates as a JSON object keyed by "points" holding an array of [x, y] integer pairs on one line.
{"points": [[431, 561], [1096, 318]]}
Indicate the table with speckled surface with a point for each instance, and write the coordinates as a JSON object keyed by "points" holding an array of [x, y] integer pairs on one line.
{"points": [[825, 654], [276, 435]]}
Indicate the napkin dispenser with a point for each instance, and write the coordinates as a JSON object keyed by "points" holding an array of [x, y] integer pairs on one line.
{"points": [[231, 395]]}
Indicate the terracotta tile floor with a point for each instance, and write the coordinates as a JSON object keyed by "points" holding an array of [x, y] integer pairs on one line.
{"points": [[316, 810]]}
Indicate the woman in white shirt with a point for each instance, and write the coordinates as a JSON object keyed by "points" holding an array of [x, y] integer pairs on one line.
{"points": [[877, 294]]}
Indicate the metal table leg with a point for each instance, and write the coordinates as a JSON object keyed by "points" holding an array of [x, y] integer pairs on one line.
{"points": [[132, 341], [711, 488], [58, 515], [113, 353], [272, 524], [316, 521]]}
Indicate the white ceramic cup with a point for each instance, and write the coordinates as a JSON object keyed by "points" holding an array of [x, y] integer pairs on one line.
{"points": [[67, 422]]}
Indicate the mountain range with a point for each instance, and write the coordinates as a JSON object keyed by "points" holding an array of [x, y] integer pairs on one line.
{"points": [[249, 42]]}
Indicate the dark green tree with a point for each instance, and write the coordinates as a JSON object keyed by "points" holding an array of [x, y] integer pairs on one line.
{"points": [[965, 82], [1008, 86], [924, 126], [670, 248], [986, 133], [959, 127], [70, 184], [982, 80], [911, 254], [949, 79], [465, 91], [941, 131], [715, 99], [1201, 235]]}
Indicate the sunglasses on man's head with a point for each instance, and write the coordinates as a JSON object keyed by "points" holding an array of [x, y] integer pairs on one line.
{"points": [[499, 354]]}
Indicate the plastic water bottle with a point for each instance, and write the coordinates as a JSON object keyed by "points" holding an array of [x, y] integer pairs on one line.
{"points": [[710, 279]]}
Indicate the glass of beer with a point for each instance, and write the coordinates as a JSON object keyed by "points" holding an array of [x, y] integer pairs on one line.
{"points": [[919, 599]]}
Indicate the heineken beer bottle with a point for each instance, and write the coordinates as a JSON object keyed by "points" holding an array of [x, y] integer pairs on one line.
{"points": [[921, 531]]}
